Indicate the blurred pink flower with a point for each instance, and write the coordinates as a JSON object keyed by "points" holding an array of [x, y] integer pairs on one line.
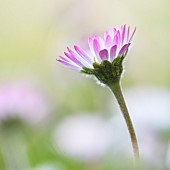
{"points": [[115, 43], [85, 137], [22, 101]]}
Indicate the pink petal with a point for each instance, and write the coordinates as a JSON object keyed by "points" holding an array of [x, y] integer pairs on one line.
{"points": [[111, 33], [90, 42], [121, 29], [117, 39], [96, 46], [113, 52], [63, 58], [123, 33], [100, 41], [83, 54], [114, 31], [106, 34], [123, 49], [104, 54], [127, 35], [79, 58], [73, 59], [108, 41], [132, 35], [69, 65]]}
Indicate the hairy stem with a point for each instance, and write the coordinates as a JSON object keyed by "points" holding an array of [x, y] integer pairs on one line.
{"points": [[116, 89]]}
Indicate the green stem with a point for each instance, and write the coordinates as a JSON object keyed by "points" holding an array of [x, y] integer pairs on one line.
{"points": [[116, 89]]}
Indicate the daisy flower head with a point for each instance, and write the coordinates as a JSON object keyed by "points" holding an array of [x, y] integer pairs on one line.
{"points": [[104, 54]]}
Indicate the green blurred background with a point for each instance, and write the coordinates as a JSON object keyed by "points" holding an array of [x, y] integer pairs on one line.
{"points": [[34, 33]]}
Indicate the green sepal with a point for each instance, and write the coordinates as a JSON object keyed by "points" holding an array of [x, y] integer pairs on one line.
{"points": [[87, 71], [96, 65], [107, 72]]}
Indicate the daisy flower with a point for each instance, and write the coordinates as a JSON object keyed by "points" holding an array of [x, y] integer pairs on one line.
{"points": [[104, 60], [114, 43]]}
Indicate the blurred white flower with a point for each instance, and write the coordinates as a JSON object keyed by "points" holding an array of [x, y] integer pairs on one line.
{"points": [[150, 112], [23, 101], [49, 166], [150, 106], [86, 137]]}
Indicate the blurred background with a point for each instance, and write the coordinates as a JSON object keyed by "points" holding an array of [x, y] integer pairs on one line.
{"points": [[53, 118]]}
